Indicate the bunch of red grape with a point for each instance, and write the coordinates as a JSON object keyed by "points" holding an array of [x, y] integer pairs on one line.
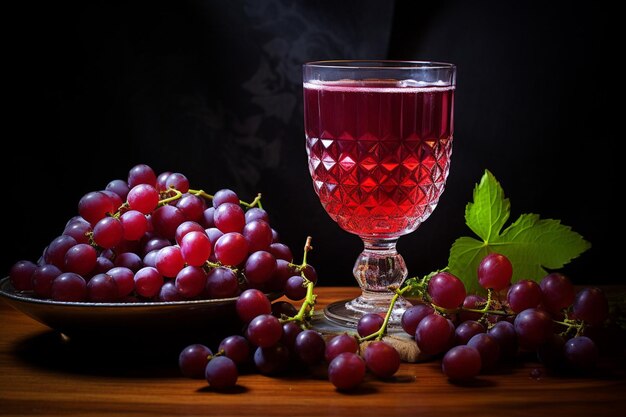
{"points": [[475, 333], [151, 238], [275, 342], [471, 334]]}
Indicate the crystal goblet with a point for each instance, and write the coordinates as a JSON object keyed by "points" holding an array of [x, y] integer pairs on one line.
{"points": [[379, 140]]}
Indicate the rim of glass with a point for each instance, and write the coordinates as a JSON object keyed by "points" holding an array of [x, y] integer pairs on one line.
{"points": [[379, 64]]}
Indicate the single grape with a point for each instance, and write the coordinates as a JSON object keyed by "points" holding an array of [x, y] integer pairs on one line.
{"points": [[178, 181], [166, 220], [271, 360], [505, 335], [79, 231], [124, 278], [309, 346], [150, 258], [591, 306], [264, 330], [190, 281], [221, 372], [413, 315], [141, 174], [258, 233], [489, 350], [94, 206], [340, 344], [193, 360], [533, 328], [581, 353], [170, 261], [466, 330], [231, 248], [195, 248], [108, 232], [256, 213], [81, 259], [68, 286], [221, 283], [225, 196], [235, 347], [192, 207], [461, 363], [21, 274], [169, 292], [281, 251], [434, 334], [446, 290], [346, 371], [155, 243], [368, 324], [76, 219], [143, 198], [382, 359], [495, 272], [229, 217], [102, 288], [260, 267], [557, 292], [148, 282], [129, 260], [252, 303], [135, 224], [42, 280], [102, 265], [524, 294], [283, 308], [119, 187], [294, 288]]}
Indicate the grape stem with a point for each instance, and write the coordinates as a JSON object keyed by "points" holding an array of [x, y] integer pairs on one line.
{"points": [[203, 194], [378, 335], [570, 325], [303, 316], [167, 200]]}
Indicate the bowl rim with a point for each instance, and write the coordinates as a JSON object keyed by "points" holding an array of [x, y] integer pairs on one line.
{"points": [[7, 291]]}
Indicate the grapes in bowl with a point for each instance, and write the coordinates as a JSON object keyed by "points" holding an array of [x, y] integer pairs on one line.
{"points": [[150, 254]]}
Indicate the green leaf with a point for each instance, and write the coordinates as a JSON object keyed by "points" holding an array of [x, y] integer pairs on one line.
{"points": [[532, 244], [490, 210]]}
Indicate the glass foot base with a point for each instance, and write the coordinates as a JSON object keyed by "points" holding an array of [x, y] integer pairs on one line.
{"points": [[347, 313]]}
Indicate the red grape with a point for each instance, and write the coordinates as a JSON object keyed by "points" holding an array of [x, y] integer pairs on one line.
{"points": [[446, 290], [461, 363], [495, 272]]}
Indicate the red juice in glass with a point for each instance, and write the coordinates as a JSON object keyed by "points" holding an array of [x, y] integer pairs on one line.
{"points": [[379, 151]]}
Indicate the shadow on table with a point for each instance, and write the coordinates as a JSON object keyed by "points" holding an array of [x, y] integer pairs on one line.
{"points": [[133, 356]]}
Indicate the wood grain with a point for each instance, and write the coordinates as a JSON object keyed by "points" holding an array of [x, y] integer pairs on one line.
{"points": [[42, 374]]}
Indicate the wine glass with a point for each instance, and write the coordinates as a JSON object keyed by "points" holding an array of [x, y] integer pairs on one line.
{"points": [[379, 141]]}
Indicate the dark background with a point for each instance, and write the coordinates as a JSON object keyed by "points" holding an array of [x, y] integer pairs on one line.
{"points": [[212, 89]]}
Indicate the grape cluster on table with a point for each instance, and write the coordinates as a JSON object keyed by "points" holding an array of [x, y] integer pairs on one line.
{"points": [[549, 318], [470, 334], [149, 238]]}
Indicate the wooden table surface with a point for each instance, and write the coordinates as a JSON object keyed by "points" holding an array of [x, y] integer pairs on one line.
{"points": [[42, 374]]}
